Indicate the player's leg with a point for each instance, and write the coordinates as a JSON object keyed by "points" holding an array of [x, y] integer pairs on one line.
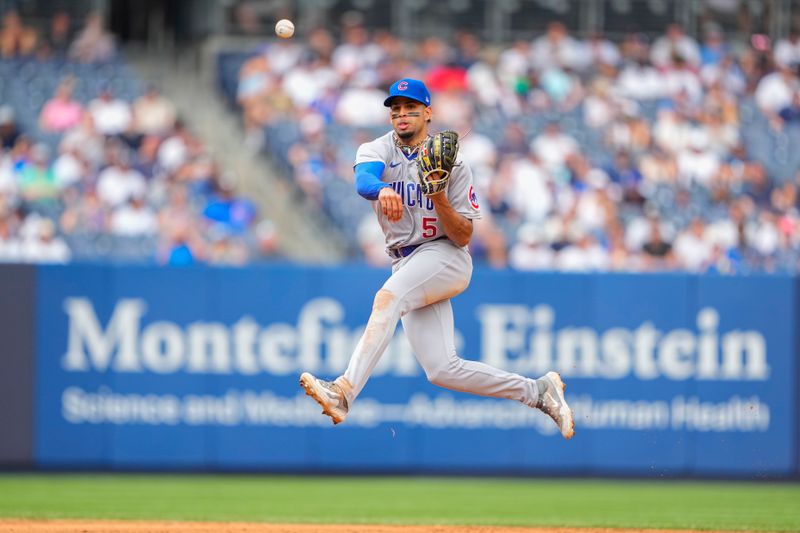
{"points": [[428, 276], [430, 331], [435, 272]]}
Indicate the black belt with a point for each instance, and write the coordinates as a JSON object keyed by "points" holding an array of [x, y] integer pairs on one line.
{"points": [[405, 251]]}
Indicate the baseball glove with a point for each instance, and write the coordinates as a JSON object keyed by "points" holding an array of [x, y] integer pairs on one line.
{"points": [[436, 160]]}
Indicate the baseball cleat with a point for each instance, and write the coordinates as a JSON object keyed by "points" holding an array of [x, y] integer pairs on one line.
{"points": [[328, 394], [552, 403]]}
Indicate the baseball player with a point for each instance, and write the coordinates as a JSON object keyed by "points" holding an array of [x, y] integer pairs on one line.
{"points": [[425, 203]]}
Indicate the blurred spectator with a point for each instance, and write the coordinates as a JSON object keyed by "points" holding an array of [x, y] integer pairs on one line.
{"points": [[308, 81], [20, 153], [599, 108], [791, 113], [61, 112], [714, 48], [361, 104], [553, 147], [513, 66], [43, 246], [133, 219], [775, 91], [356, 52], [468, 49], [321, 43], [175, 150], [9, 132], [447, 77], [283, 56], [111, 116], [598, 52], [16, 39], [83, 212], [147, 156], [691, 249], [659, 166], [93, 44], [37, 182], [697, 163], [675, 45], [312, 158], [586, 255], [671, 130], [657, 252], [85, 140], [721, 104], [69, 169], [755, 183], [451, 108], [584, 176], [119, 182], [727, 75], [247, 16], [628, 132], [10, 245], [431, 52], [60, 36], [267, 240], [488, 243], [763, 235], [256, 85], [562, 88], [176, 215], [231, 213], [530, 251], [372, 242], [225, 249], [514, 140], [787, 51], [681, 81], [556, 48], [639, 80], [8, 178], [179, 252], [624, 174], [479, 152], [529, 189], [489, 89]]}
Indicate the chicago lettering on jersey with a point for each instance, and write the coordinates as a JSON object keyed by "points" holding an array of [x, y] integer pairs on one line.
{"points": [[412, 195]]}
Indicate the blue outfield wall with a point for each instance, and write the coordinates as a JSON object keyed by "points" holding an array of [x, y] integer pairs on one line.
{"points": [[197, 369]]}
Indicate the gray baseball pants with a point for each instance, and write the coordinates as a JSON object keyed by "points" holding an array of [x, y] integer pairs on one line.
{"points": [[419, 292]]}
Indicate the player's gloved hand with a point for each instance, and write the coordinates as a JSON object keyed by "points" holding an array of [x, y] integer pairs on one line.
{"points": [[436, 160], [391, 204]]}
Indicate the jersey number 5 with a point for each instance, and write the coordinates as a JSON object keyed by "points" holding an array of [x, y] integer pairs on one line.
{"points": [[429, 227]]}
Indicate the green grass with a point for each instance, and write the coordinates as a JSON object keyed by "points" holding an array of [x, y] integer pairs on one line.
{"points": [[539, 502]]}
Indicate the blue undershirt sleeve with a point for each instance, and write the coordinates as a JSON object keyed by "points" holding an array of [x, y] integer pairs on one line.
{"points": [[368, 179]]}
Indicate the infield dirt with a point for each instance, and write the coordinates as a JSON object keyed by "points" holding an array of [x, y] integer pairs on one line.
{"points": [[96, 526]]}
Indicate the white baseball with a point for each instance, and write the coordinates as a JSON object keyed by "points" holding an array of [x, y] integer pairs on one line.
{"points": [[284, 28]]}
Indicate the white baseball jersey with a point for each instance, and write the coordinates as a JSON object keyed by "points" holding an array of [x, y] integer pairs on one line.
{"points": [[419, 223]]}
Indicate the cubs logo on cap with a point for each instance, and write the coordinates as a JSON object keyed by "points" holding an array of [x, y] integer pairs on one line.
{"points": [[409, 88]]}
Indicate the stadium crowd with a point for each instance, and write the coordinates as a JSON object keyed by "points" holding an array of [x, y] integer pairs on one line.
{"points": [[588, 154], [86, 174]]}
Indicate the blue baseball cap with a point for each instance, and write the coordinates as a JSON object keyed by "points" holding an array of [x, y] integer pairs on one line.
{"points": [[410, 88]]}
